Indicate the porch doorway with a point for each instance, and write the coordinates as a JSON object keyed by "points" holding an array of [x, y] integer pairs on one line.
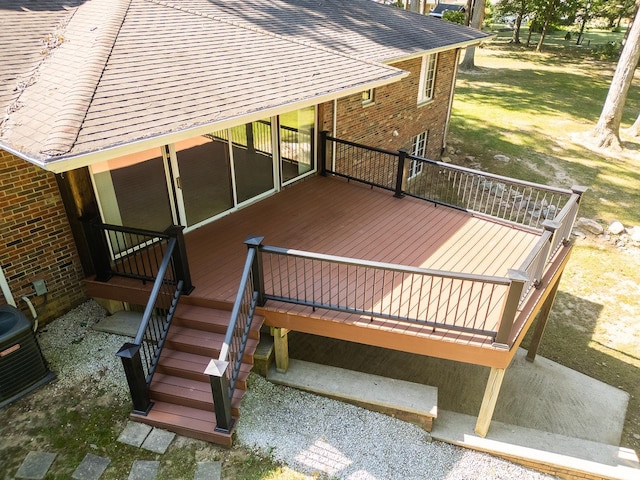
{"points": [[196, 181]]}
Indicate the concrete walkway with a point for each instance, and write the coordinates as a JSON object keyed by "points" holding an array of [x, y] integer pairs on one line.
{"points": [[546, 413]]}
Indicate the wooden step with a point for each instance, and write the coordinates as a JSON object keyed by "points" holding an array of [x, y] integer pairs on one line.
{"points": [[189, 393], [192, 366], [208, 344], [210, 320], [187, 421]]}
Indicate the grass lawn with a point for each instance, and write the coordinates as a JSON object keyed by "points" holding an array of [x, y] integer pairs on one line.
{"points": [[534, 108]]}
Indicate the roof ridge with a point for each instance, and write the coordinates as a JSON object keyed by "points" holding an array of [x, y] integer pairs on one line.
{"points": [[170, 4], [95, 25]]}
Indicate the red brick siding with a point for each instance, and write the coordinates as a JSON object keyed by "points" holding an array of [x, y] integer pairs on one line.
{"points": [[396, 109], [36, 240]]}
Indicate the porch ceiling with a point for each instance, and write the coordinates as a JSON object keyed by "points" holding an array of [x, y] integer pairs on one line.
{"points": [[331, 216]]}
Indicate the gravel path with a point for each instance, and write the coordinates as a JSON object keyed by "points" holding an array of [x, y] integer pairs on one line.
{"points": [[313, 435]]}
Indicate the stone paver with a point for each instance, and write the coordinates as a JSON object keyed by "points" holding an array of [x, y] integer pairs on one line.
{"points": [[208, 471], [91, 468], [134, 433], [35, 465], [158, 440], [144, 470]]}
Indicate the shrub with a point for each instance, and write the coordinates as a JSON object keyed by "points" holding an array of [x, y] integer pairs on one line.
{"points": [[607, 51], [453, 17]]}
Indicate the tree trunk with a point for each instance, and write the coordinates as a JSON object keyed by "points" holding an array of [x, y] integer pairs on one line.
{"points": [[606, 133], [516, 30], [547, 20], [634, 130], [529, 35], [468, 63]]}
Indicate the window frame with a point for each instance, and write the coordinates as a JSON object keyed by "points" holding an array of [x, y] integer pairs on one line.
{"points": [[428, 73], [418, 149], [371, 97]]}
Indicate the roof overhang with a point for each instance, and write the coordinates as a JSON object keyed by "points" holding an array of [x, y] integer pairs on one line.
{"points": [[72, 162], [470, 43]]}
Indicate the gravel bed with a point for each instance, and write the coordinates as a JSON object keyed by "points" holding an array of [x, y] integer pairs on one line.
{"points": [[311, 434]]}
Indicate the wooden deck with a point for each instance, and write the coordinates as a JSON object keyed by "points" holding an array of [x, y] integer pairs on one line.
{"points": [[328, 215], [332, 216]]}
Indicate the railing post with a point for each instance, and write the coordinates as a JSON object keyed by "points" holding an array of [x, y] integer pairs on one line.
{"points": [[322, 153], [402, 158], [255, 242], [220, 390], [129, 353], [98, 248], [180, 260], [510, 307], [553, 227]]}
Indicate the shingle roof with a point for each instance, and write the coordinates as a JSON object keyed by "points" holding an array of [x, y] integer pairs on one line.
{"points": [[79, 78]]}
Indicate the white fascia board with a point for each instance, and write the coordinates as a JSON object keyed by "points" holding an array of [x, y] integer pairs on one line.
{"points": [[469, 43], [84, 160]]}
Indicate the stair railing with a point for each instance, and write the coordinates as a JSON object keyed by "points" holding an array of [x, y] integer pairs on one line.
{"points": [[223, 372], [140, 357]]}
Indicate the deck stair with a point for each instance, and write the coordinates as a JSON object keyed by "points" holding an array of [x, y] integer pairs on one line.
{"points": [[180, 391]]}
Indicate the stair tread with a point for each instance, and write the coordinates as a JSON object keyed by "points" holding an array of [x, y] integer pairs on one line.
{"points": [[190, 362], [184, 420], [187, 388]]}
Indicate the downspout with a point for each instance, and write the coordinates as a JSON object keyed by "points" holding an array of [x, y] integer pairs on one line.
{"points": [[6, 291], [453, 87]]}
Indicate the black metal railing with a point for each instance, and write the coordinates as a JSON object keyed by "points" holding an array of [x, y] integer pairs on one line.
{"points": [[510, 200], [135, 253], [224, 371], [140, 357]]}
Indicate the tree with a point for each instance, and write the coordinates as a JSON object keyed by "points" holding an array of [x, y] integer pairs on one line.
{"points": [[634, 130], [606, 133], [519, 8], [477, 16]]}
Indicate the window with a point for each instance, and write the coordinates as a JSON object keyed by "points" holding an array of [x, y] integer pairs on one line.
{"points": [[418, 149], [367, 97], [427, 78]]}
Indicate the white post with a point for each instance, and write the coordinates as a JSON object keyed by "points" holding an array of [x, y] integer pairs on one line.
{"points": [[6, 291]]}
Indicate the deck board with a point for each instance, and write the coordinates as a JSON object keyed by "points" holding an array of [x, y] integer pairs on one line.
{"points": [[331, 216]]}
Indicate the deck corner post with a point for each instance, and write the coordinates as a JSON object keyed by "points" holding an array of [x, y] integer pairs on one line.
{"points": [[98, 248], [180, 260], [322, 153], [281, 347], [517, 279], [255, 242], [216, 370], [129, 353], [541, 323], [489, 401], [400, 174], [579, 190]]}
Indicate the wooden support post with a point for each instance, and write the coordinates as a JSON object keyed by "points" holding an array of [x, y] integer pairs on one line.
{"points": [[489, 401], [281, 347], [543, 316]]}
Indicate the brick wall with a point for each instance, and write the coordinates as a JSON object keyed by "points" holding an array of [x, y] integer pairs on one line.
{"points": [[395, 108], [36, 240]]}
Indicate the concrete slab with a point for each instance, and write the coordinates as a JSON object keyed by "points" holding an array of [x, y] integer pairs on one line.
{"points": [[530, 446], [542, 395], [208, 471], [35, 465], [360, 388], [158, 440], [134, 434], [120, 323], [91, 468], [144, 470]]}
